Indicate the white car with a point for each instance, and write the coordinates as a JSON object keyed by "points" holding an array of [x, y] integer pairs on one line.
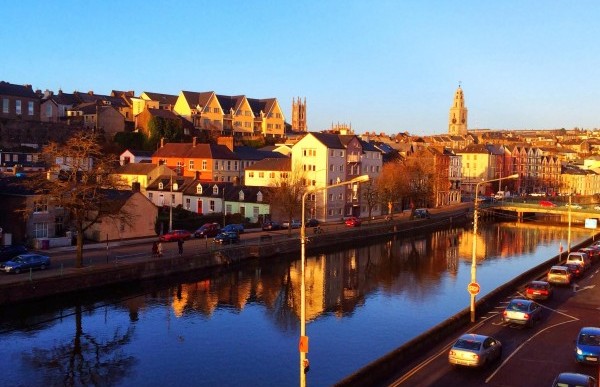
{"points": [[295, 224], [597, 208], [574, 206]]}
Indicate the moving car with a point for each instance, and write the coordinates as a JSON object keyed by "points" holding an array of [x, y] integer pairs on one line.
{"points": [[311, 223], [208, 230], [25, 262], [227, 237], [422, 213], [295, 224], [575, 270], [592, 251], [270, 225], [520, 311], [538, 290], [175, 235], [587, 345], [559, 275], [353, 222], [571, 379], [579, 258], [574, 206], [546, 203], [234, 227], [8, 252], [474, 350]]}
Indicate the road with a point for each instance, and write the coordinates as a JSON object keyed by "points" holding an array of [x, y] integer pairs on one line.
{"points": [[531, 356]]}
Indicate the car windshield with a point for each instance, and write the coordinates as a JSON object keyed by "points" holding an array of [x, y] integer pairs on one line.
{"points": [[468, 344], [537, 286], [517, 306], [557, 271], [18, 259], [586, 339]]}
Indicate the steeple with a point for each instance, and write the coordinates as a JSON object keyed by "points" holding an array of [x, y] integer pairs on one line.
{"points": [[457, 121]]}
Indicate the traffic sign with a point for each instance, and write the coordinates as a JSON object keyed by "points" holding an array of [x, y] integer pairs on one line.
{"points": [[473, 288]]}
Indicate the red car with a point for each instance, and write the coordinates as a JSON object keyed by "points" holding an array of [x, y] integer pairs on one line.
{"points": [[353, 222], [538, 290], [546, 203], [175, 235]]}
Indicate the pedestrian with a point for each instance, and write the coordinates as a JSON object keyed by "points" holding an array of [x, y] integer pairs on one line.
{"points": [[159, 249], [154, 249], [180, 245]]}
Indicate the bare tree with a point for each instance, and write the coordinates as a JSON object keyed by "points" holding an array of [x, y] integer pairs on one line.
{"points": [[389, 185], [82, 183], [371, 196], [286, 194]]}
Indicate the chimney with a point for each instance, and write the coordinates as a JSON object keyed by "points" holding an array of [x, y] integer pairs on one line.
{"points": [[197, 175], [162, 142], [91, 92], [227, 141], [194, 139], [135, 186]]}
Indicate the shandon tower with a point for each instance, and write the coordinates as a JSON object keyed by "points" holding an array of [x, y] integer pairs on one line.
{"points": [[457, 122], [299, 115]]}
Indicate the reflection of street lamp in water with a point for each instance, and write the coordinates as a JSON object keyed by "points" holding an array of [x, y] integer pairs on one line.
{"points": [[303, 344], [473, 286]]}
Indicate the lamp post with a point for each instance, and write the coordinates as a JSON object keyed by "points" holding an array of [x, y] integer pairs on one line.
{"points": [[473, 291], [171, 205], [303, 343]]}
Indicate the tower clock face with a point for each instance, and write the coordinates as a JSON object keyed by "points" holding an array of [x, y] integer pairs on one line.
{"points": [[454, 120], [463, 120]]}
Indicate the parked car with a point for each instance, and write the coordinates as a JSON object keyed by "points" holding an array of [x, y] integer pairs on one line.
{"points": [[537, 194], [575, 270], [312, 223], [270, 225], [579, 258], [235, 227], [295, 224], [571, 379], [227, 237], [422, 213], [520, 311], [592, 251], [208, 230], [538, 290], [574, 206], [353, 221], [175, 235], [559, 275], [25, 262], [597, 208], [8, 252], [474, 350], [587, 345], [546, 203]]}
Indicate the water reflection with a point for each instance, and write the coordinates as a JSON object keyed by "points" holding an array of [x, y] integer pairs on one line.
{"points": [[362, 302]]}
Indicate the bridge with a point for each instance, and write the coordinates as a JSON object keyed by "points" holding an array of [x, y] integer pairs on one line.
{"points": [[524, 209]]}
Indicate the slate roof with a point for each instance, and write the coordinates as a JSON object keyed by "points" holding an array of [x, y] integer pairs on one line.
{"points": [[331, 141], [166, 99], [183, 183], [280, 164], [207, 188], [193, 98], [140, 153], [17, 90], [187, 150], [229, 103], [163, 113], [249, 153], [135, 169], [264, 105], [61, 98]]}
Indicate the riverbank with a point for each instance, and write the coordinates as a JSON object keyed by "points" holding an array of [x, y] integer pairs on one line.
{"points": [[63, 281]]}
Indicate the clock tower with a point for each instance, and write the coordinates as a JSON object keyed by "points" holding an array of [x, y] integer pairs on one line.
{"points": [[457, 122]]}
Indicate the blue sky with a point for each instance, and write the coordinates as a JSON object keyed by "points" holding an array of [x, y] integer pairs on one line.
{"points": [[383, 66]]}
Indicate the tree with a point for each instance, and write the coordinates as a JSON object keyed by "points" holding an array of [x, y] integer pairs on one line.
{"points": [[388, 185], [286, 194], [371, 196], [170, 130], [82, 184]]}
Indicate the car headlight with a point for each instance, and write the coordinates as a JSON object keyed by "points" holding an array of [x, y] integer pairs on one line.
{"points": [[579, 351]]}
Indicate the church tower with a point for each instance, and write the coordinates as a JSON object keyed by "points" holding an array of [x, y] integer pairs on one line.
{"points": [[457, 122], [299, 115]]}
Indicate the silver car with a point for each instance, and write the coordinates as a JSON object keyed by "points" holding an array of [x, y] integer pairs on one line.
{"points": [[520, 311], [474, 350]]}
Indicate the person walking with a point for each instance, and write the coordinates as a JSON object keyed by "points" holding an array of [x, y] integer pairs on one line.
{"points": [[159, 249], [180, 245]]}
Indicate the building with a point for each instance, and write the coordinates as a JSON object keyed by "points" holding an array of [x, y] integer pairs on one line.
{"points": [[299, 115], [19, 102]]}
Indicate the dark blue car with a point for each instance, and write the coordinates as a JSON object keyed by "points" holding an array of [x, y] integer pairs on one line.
{"points": [[25, 262], [587, 346], [227, 237]]}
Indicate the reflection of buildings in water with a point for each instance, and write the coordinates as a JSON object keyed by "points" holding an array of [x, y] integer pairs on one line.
{"points": [[195, 296]]}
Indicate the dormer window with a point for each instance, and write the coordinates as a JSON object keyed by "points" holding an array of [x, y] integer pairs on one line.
{"points": [[241, 195], [215, 190], [175, 186], [259, 197], [161, 185], [199, 189]]}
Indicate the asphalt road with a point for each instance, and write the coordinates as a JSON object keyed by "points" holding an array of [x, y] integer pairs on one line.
{"points": [[531, 356]]}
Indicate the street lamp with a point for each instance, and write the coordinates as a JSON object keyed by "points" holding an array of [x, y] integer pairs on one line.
{"points": [[303, 344], [473, 287]]}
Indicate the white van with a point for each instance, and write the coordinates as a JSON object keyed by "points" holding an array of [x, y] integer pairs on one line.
{"points": [[581, 259]]}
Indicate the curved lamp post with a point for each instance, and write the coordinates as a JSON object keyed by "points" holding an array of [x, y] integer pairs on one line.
{"points": [[303, 343], [474, 252]]}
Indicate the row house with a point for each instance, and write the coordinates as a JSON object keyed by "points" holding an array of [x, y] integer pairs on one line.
{"points": [[98, 116], [268, 172], [19, 102], [150, 100], [478, 165], [231, 115], [206, 162], [538, 169], [61, 106], [578, 181], [141, 175], [54, 107], [20, 159]]}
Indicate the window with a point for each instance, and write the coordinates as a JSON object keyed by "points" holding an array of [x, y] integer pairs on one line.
{"points": [[40, 206], [215, 190], [191, 165], [59, 229], [199, 189], [342, 153], [250, 174], [259, 197], [228, 209], [216, 110], [204, 165], [40, 230], [150, 196], [187, 203], [271, 175], [30, 108], [48, 110], [211, 204], [255, 212], [172, 199], [161, 185], [5, 105], [241, 196], [18, 106], [331, 153], [261, 175], [330, 196]]}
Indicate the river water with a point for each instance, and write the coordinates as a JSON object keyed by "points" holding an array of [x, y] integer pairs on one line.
{"points": [[241, 328]]}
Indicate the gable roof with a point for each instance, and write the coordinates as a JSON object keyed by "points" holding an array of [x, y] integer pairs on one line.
{"points": [[193, 98], [188, 150], [165, 99], [17, 90], [280, 164], [135, 169], [331, 141], [249, 153]]}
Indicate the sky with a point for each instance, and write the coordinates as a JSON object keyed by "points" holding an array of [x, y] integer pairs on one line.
{"points": [[379, 66]]}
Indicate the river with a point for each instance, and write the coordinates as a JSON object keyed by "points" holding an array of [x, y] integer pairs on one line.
{"points": [[242, 327]]}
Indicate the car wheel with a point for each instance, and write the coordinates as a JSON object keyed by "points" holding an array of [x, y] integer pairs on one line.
{"points": [[17, 270], [43, 267]]}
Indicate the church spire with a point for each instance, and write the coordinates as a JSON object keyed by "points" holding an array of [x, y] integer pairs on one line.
{"points": [[457, 121]]}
